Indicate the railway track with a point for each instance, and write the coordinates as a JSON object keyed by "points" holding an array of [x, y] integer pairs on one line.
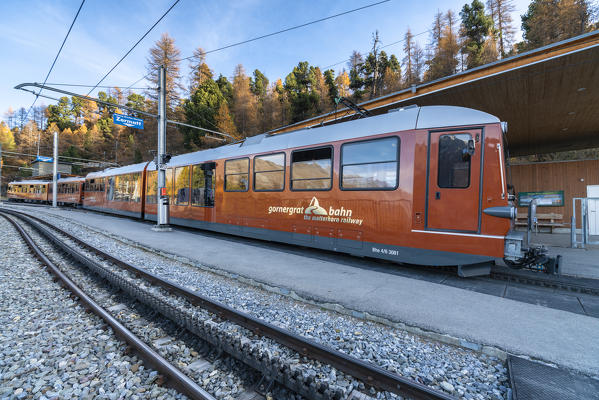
{"points": [[161, 295], [175, 377]]}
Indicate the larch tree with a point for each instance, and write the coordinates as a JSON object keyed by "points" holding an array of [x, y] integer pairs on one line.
{"points": [[501, 14], [410, 49], [7, 139], [342, 81], [392, 80], [322, 90], [489, 52], [165, 53], [476, 26], [276, 106], [200, 71], [445, 62], [245, 104], [224, 121]]}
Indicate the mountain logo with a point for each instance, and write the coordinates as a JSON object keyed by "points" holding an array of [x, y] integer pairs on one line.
{"points": [[315, 209]]}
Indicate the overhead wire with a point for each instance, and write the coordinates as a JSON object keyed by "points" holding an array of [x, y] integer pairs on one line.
{"points": [[94, 86], [134, 46], [56, 58], [276, 33]]}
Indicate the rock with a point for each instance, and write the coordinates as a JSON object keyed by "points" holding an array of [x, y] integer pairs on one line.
{"points": [[448, 387]]}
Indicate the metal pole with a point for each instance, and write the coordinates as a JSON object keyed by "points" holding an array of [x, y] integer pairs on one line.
{"points": [[162, 206], [55, 169], [573, 231], [0, 173]]}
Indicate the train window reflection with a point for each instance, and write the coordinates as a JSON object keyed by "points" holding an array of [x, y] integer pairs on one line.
{"points": [[151, 187], [182, 186], [168, 183], [454, 168], [202, 185], [370, 165], [311, 169], [269, 172], [237, 175], [125, 188]]}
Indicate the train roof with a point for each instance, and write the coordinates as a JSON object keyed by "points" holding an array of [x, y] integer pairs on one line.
{"points": [[127, 169], [30, 182], [71, 179], [426, 117]]}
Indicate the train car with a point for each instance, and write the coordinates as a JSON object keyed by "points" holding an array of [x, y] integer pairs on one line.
{"points": [[116, 190], [69, 191], [30, 191], [421, 185]]}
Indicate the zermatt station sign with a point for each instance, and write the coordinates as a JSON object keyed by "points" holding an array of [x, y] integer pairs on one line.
{"points": [[126, 120]]}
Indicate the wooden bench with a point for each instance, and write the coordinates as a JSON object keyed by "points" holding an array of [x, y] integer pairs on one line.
{"points": [[550, 220]]}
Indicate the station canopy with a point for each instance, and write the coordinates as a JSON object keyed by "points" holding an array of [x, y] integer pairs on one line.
{"points": [[548, 96]]}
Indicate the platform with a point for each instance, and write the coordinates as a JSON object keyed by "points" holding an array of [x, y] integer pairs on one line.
{"points": [[555, 336]]}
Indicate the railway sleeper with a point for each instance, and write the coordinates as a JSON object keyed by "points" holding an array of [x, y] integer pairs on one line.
{"points": [[274, 367]]}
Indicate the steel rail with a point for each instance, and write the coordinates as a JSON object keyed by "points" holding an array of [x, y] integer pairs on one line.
{"points": [[176, 378], [368, 373]]}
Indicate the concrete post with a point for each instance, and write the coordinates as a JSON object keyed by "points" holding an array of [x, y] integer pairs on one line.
{"points": [[55, 169]]}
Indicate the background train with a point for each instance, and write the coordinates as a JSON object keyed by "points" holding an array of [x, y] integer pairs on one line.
{"points": [[422, 185]]}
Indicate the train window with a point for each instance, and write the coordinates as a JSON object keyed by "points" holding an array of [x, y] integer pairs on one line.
{"points": [[126, 188], [237, 175], [370, 165], [454, 168], [269, 172], [182, 186], [151, 187], [202, 185], [110, 194], [312, 169]]}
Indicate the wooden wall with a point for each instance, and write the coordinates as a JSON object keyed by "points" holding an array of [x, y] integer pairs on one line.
{"points": [[564, 175]]}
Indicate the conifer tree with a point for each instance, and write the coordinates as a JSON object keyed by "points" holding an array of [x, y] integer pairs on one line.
{"points": [[476, 27], [333, 91], [356, 79], [165, 53]]}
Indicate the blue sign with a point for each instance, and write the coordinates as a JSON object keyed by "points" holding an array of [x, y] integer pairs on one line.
{"points": [[44, 159], [126, 120]]}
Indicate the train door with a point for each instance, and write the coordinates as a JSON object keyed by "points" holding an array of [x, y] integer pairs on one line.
{"points": [[453, 185]]}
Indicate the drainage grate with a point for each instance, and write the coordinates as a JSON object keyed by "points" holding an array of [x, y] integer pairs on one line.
{"points": [[534, 381]]}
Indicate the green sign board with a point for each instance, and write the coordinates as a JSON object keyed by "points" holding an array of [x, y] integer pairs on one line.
{"points": [[544, 199]]}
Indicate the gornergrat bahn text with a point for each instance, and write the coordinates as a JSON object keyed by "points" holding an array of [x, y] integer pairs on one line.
{"points": [[421, 185]]}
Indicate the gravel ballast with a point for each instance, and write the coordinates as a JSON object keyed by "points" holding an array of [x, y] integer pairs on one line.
{"points": [[50, 348]]}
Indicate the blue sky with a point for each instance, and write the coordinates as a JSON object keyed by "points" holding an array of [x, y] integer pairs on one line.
{"points": [[32, 30]]}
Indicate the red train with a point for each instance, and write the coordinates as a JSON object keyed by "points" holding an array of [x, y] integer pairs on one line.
{"points": [[422, 185]]}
